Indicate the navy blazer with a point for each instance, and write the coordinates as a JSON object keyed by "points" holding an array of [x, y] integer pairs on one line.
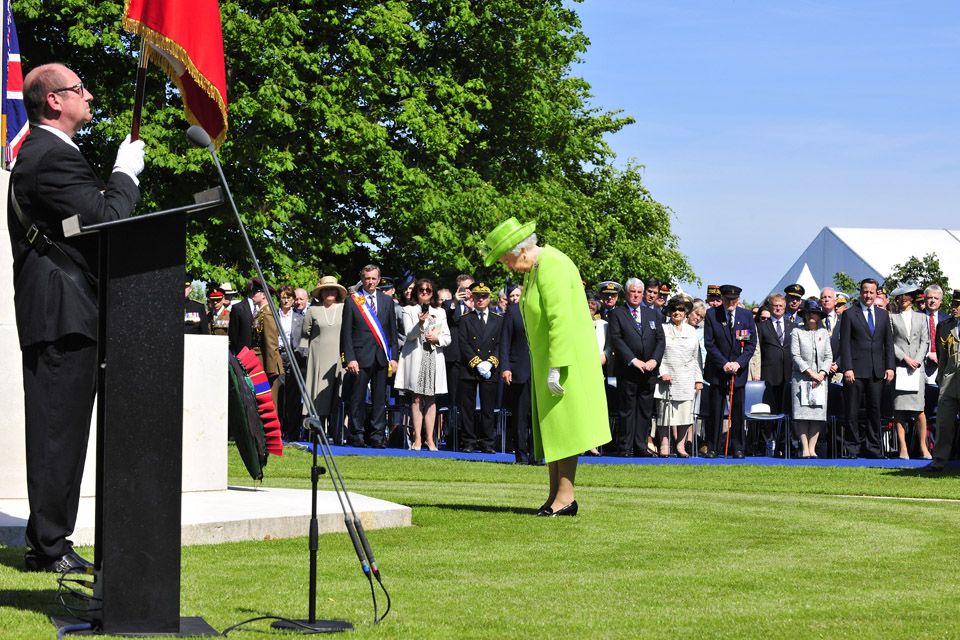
{"points": [[479, 342], [452, 307], [240, 330], [514, 351], [776, 364], [357, 341], [867, 356], [54, 182], [834, 338], [630, 339], [723, 348]]}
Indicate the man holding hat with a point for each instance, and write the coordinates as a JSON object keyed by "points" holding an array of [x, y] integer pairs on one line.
{"points": [[948, 378], [794, 296], [730, 335], [479, 363]]}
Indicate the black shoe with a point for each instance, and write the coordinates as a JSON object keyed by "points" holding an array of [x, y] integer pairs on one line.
{"points": [[379, 445], [467, 449], [738, 455], [544, 510], [522, 459], [933, 467], [487, 450], [70, 562], [356, 443], [569, 510], [710, 454]]}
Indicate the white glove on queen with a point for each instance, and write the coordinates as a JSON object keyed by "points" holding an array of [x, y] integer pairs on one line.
{"points": [[484, 369], [130, 158], [553, 382]]}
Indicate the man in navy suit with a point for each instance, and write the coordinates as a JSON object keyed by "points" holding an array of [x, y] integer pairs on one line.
{"points": [[479, 370], [831, 322], [366, 358], [776, 363], [240, 330], [933, 297], [730, 335], [515, 371], [460, 304], [638, 343], [867, 361], [55, 280]]}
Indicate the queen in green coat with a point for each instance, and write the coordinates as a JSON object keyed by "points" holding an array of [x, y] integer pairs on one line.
{"points": [[569, 400]]}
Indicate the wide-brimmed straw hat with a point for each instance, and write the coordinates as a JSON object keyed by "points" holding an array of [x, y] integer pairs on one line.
{"points": [[330, 282], [506, 236]]}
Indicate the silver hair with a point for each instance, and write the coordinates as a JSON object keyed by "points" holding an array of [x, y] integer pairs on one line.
{"points": [[935, 288], [527, 243], [633, 282]]}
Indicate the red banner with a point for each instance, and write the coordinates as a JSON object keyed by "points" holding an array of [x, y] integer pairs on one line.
{"points": [[187, 42]]}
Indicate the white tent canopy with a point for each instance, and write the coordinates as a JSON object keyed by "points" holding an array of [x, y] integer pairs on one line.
{"points": [[869, 253]]}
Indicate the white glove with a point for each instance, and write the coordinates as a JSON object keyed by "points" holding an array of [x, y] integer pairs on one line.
{"points": [[130, 158], [553, 382], [484, 369]]}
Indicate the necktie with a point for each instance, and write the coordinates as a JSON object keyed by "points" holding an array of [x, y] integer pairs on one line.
{"points": [[634, 312], [483, 318], [933, 333], [826, 321], [870, 324], [779, 331], [373, 303]]}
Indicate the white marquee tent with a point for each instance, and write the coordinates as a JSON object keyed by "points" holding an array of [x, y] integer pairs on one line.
{"points": [[870, 253]]}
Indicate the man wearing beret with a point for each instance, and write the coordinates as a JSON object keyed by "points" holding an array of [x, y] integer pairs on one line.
{"points": [[794, 296], [730, 336], [479, 364]]}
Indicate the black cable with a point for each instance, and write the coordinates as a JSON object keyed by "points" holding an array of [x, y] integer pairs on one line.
{"points": [[296, 623]]}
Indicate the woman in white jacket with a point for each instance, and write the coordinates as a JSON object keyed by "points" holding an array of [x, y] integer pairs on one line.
{"points": [[421, 369], [680, 370]]}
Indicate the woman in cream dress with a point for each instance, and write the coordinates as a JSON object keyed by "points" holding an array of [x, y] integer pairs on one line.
{"points": [[911, 344], [321, 329], [680, 370]]}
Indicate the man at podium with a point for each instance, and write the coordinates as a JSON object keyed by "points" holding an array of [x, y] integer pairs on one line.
{"points": [[55, 283]]}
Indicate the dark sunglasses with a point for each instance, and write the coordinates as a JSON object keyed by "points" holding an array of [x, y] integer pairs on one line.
{"points": [[424, 290], [77, 88]]}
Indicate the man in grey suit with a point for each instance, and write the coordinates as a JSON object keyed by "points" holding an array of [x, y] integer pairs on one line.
{"points": [[867, 361]]}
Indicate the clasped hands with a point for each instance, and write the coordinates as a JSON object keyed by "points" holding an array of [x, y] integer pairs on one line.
{"points": [[485, 369]]}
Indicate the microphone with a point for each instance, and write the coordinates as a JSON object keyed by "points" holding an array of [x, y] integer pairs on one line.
{"points": [[198, 137]]}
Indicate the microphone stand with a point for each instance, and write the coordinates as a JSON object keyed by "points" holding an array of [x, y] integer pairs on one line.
{"points": [[318, 440]]}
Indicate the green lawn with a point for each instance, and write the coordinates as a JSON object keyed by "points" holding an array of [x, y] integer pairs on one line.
{"points": [[656, 552]]}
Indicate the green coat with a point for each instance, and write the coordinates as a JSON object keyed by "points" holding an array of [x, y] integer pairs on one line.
{"points": [[561, 334]]}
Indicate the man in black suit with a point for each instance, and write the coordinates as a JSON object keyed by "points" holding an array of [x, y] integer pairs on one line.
{"points": [[240, 331], [515, 371], [367, 357], [948, 379], [456, 307], [479, 360], [730, 335], [776, 363], [831, 322], [56, 299], [638, 344], [867, 361]]}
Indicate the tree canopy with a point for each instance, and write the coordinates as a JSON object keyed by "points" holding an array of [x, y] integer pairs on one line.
{"points": [[396, 132]]}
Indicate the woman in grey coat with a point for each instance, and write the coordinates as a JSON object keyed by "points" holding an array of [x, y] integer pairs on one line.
{"points": [[812, 356], [911, 343]]}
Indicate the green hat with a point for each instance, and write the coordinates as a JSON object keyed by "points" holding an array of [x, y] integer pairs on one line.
{"points": [[506, 236]]}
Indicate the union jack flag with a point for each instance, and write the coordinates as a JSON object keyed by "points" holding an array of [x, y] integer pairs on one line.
{"points": [[14, 120]]}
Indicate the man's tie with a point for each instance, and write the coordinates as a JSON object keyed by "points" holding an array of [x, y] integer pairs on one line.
{"points": [[933, 332], [373, 303], [483, 318], [826, 321], [779, 331], [870, 324]]}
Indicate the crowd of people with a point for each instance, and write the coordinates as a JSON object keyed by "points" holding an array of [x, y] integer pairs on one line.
{"points": [[675, 366]]}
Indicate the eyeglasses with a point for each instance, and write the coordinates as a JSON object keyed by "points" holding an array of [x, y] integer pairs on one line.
{"points": [[77, 88], [423, 290]]}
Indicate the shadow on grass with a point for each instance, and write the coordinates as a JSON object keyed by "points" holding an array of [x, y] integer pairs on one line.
{"points": [[40, 600], [472, 507], [921, 472], [12, 557]]}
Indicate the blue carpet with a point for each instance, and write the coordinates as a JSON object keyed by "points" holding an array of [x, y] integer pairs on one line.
{"points": [[754, 460]]}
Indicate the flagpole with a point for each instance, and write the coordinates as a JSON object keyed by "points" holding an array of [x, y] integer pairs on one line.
{"points": [[138, 94]]}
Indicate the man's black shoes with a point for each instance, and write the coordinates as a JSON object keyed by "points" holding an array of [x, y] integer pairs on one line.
{"points": [[70, 562]]}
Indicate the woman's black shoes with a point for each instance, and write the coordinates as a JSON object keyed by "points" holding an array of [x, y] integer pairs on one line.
{"points": [[569, 510]]}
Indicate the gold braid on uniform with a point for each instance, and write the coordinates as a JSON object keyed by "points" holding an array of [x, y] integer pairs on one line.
{"points": [[494, 361], [475, 361], [950, 346]]}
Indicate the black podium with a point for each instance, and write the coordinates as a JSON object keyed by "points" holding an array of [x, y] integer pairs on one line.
{"points": [[140, 424]]}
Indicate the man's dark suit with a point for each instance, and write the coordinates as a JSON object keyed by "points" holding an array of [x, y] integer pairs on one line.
{"points": [[776, 363], [639, 338], [455, 310], [948, 401], [868, 356], [725, 345], [834, 331], [357, 342], [57, 326], [479, 342], [515, 358], [240, 331]]}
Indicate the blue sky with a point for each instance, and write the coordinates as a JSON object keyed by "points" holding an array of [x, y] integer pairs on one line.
{"points": [[760, 123]]}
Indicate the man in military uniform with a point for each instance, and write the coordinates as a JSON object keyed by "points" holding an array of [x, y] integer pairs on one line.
{"points": [[479, 360], [218, 313], [266, 337], [794, 295], [609, 295], [948, 378], [194, 315]]}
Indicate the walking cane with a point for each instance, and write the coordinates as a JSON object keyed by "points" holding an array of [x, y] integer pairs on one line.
{"points": [[726, 447]]}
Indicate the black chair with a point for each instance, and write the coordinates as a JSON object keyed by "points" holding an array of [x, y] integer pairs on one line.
{"points": [[836, 417]]}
